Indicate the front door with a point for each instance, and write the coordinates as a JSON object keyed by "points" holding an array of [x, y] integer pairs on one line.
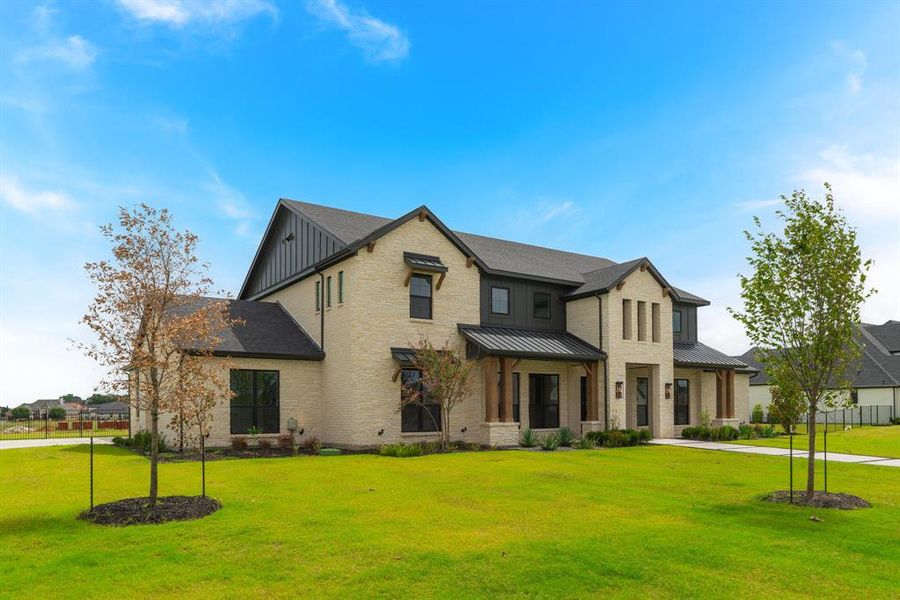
{"points": [[643, 407]]}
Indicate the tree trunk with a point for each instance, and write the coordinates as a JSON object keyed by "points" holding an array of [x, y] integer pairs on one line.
{"points": [[154, 451], [445, 427], [811, 464]]}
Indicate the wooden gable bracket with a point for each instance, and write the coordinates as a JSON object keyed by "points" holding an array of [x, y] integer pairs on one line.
{"points": [[588, 368], [516, 363], [396, 374], [620, 285], [470, 260], [666, 291], [441, 280], [422, 215], [408, 277], [370, 247]]}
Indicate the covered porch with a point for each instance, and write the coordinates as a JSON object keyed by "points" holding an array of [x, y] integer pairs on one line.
{"points": [[705, 381], [535, 379]]}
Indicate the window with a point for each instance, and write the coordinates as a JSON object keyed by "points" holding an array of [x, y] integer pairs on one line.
{"points": [[515, 393], [626, 319], [642, 321], [643, 402], [854, 397], [255, 401], [340, 287], [543, 401], [415, 417], [682, 402], [420, 296], [318, 296], [676, 321], [654, 318], [328, 291], [541, 305], [500, 300], [583, 398]]}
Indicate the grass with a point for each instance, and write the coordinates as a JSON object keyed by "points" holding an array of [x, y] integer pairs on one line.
{"points": [[633, 522], [872, 441]]}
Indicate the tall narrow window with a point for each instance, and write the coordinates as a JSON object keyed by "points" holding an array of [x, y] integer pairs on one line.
{"points": [[541, 305], [643, 402], [416, 417], [500, 300], [626, 319], [340, 287], [682, 402], [515, 383], [584, 405], [654, 317], [420, 296], [642, 321], [318, 296], [328, 291], [543, 401], [676, 324], [254, 402]]}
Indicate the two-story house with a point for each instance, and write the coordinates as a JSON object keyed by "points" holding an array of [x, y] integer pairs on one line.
{"points": [[333, 301]]}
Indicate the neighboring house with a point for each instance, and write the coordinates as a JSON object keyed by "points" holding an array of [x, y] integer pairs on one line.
{"points": [[39, 408], [109, 409], [73, 409], [334, 299], [876, 381]]}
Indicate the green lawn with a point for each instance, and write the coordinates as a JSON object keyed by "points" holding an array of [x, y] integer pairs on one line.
{"points": [[632, 522], [872, 441]]}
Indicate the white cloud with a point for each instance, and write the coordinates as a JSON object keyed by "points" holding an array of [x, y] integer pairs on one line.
{"points": [[755, 205], [379, 40], [74, 51], [230, 202], [31, 201], [855, 62], [180, 13]]}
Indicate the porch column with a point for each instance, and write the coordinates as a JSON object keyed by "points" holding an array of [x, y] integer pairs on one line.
{"points": [[729, 397], [506, 389], [720, 394], [591, 383], [490, 388]]}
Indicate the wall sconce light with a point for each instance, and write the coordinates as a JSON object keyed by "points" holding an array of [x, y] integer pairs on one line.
{"points": [[301, 431], [381, 431], [463, 430], [668, 391], [620, 389]]}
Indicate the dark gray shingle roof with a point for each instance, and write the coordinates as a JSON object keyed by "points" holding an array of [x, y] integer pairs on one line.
{"points": [[887, 335], [695, 354], [535, 343], [347, 225]]}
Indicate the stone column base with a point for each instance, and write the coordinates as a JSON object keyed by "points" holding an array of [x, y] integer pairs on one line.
{"points": [[734, 422], [500, 434], [587, 426]]}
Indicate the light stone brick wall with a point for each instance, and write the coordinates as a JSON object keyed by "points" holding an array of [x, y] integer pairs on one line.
{"points": [[639, 285], [742, 397]]}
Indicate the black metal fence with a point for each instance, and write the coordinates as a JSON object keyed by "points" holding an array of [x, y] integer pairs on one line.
{"points": [[80, 424], [843, 418]]}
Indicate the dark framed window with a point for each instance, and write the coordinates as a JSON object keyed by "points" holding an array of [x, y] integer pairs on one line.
{"points": [[500, 300], [543, 401], [584, 406], [340, 287], [254, 401], [420, 296], [318, 295], [676, 321], [515, 393], [541, 305], [415, 417], [854, 397], [643, 402], [682, 402], [328, 291]]}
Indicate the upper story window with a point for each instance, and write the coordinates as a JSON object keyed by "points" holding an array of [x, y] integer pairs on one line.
{"points": [[318, 295], [328, 291], [420, 296], [541, 305], [340, 287], [642, 321], [500, 300], [626, 319], [676, 321], [654, 318]]}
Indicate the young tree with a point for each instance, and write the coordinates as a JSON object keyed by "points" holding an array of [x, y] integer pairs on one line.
{"points": [[446, 381], [57, 412], [787, 407], [152, 319], [802, 302]]}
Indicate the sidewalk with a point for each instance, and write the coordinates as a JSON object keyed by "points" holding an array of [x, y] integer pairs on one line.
{"points": [[769, 451], [12, 444]]}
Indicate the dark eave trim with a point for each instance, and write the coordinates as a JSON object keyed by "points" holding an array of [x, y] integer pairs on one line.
{"points": [[684, 365]]}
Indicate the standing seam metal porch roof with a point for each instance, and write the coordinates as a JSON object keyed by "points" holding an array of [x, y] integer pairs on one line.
{"points": [[529, 343], [695, 354]]}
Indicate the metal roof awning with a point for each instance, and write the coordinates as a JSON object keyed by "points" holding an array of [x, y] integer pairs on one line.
{"points": [[695, 354], [423, 262], [528, 343], [404, 356]]}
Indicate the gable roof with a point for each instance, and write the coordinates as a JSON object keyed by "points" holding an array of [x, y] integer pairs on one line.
{"points": [[493, 255], [886, 336], [695, 354], [530, 343]]}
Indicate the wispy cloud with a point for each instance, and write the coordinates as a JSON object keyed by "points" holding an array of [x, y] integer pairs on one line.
{"points": [[230, 202], [74, 52], [210, 13], [379, 40], [856, 64], [755, 205], [30, 201]]}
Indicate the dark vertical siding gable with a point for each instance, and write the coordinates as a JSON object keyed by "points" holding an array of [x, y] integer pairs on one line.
{"points": [[521, 292], [281, 259], [688, 322]]}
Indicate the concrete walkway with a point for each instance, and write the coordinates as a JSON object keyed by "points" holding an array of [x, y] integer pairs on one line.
{"points": [[770, 451], [12, 444]]}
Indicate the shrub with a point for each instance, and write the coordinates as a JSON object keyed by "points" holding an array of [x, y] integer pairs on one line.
{"points": [[264, 444], [689, 433], [724, 433], [20, 412], [585, 443], [473, 447], [141, 441], [895, 421], [400, 450], [767, 432], [238, 443], [120, 441], [632, 437], [528, 438], [286, 441], [312, 445], [57, 412], [597, 437], [430, 447], [745, 431], [566, 436], [616, 439], [549, 441], [645, 436], [757, 415]]}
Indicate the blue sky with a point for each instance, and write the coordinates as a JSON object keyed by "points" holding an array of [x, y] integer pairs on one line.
{"points": [[616, 129]]}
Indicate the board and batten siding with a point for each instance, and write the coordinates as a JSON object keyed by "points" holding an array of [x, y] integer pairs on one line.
{"points": [[294, 244], [688, 322], [521, 293]]}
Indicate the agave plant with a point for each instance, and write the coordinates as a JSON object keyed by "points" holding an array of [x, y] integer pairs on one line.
{"points": [[585, 443], [528, 438], [566, 436], [549, 441]]}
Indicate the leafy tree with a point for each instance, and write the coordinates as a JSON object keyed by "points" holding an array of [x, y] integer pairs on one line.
{"points": [[757, 415], [802, 302], [21, 412], [103, 399], [71, 398], [446, 380], [57, 412], [787, 406], [152, 319]]}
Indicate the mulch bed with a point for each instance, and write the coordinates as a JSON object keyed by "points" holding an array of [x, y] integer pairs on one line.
{"points": [[819, 500], [136, 511]]}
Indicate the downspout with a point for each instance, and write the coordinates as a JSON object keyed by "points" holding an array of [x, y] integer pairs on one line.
{"points": [[321, 309], [605, 364]]}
